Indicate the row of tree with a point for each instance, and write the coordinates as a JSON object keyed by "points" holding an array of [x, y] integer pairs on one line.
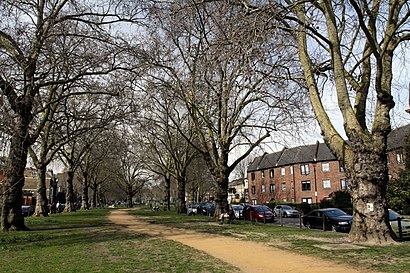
{"points": [[154, 87]]}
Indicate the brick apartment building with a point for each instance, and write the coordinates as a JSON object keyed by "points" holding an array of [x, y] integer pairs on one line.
{"points": [[310, 173]]}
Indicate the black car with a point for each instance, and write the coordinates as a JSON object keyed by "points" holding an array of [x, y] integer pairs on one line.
{"points": [[27, 210], [207, 209], [334, 219], [238, 211]]}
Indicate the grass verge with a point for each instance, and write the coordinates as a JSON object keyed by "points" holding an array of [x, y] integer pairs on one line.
{"points": [[392, 258], [85, 241]]}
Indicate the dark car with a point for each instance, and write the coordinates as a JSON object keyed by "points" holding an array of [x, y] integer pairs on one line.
{"points": [[207, 209], [334, 219], [27, 210], [258, 213], [238, 211]]}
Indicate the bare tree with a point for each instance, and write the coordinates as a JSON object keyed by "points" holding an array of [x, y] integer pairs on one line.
{"points": [[128, 166], [222, 65], [171, 152], [30, 37], [348, 48]]}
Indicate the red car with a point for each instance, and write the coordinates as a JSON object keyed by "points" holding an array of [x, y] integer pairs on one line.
{"points": [[258, 213]]}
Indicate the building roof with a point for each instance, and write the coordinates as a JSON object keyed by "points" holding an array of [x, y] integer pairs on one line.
{"points": [[398, 137], [318, 152]]}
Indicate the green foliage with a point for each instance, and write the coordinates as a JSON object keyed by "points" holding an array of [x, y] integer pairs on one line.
{"points": [[398, 193], [338, 199]]}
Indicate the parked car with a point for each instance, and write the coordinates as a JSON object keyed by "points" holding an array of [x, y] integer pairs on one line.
{"points": [[27, 210], [285, 211], [334, 219], [394, 224], [192, 209], [258, 213], [238, 211], [206, 209]]}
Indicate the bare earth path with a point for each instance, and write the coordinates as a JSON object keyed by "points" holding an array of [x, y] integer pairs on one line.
{"points": [[250, 257]]}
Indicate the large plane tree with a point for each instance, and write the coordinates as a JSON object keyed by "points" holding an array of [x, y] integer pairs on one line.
{"points": [[223, 65], [348, 48]]}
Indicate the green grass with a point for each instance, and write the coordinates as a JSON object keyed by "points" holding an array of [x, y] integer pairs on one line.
{"points": [[327, 245], [85, 241]]}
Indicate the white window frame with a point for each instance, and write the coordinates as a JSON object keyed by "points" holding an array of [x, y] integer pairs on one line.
{"points": [[306, 182], [327, 184], [325, 167], [283, 171]]}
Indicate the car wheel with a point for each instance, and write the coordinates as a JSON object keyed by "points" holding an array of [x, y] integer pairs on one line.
{"points": [[307, 224]]}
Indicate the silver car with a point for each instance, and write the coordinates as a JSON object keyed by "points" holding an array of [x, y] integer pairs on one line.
{"points": [[394, 224], [285, 211]]}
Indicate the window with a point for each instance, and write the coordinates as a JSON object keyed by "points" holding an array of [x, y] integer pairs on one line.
{"points": [[252, 176], [283, 186], [326, 184], [341, 168], [284, 199], [291, 169], [282, 171], [253, 190], [343, 184], [304, 169], [263, 188], [254, 202], [400, 159], [292, 186], [306, 185], [263, 174], [325, 166], [272, 188], [271, 173], [307, 200]]}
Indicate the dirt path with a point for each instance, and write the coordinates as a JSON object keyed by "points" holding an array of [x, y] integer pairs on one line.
{"points": [[250, 257]]}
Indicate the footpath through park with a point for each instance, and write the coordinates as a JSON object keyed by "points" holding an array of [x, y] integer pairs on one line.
{"points": [[250, 257]]}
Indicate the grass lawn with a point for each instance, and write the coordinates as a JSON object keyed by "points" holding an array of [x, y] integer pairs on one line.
{"points": [[85, 241], [393, 258]]}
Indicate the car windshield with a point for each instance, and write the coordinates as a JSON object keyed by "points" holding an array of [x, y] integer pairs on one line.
{"points": [[393, 215], [262, 208], [287, 208], [335, 212]]}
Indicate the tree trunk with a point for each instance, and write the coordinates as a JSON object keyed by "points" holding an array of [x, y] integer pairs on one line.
{"points": [[368, 180], [94, 201], [221, 195], [181, 203], [42, 201], [70, 205], [167, 199], [84, 196], [129, 199], [11, 216]]}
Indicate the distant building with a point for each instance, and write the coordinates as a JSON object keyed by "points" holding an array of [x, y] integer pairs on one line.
{"points": [[311, 173], [236, 190]]}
